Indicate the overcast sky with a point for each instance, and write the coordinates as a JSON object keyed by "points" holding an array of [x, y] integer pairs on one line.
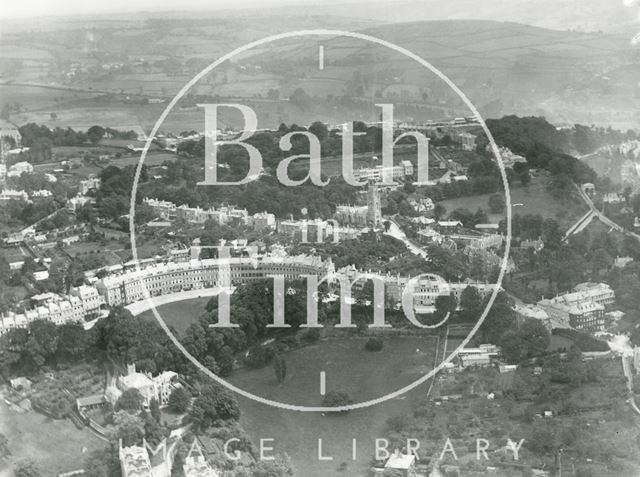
{"points": [[30, 8]]}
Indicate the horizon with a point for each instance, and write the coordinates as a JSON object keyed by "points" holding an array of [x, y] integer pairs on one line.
{"points": [[17, 9]]}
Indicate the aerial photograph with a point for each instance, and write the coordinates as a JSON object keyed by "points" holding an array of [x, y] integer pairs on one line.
{"points": [[306, 238]]}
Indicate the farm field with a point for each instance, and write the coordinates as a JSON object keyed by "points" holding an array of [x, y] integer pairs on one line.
{"points": [[35, 436], [535, 199], [349, 368]]}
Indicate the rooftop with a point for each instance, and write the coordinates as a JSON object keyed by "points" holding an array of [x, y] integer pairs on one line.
{"points": [[400, 461]]}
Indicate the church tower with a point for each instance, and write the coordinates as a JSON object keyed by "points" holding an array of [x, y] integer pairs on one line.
{"points": [[374, 206]]}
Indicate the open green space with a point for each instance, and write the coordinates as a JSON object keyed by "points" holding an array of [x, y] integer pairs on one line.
{"points": [[534, 199], [180, 314], [55, 445], [349, 368]]}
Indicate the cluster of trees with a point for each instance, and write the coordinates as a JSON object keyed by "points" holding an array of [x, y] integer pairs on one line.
{"points": [[469, 219], [529, 340], [582, 341], [18, 213], [586, 256], [366, 139], [483, 178], [518, 341], [542, 145], [252, 309], [32, 133], [587, 139], [369, 252], [213, 404], [40, 139], [42, 343]]}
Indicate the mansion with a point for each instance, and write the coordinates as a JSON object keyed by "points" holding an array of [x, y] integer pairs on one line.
{"points": [[583, 308]]}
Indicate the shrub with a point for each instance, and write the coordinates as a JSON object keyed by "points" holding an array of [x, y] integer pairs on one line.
{"points": [[374, 344], [336, 399]]}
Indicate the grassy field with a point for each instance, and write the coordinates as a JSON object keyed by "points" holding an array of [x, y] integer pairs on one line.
{"points": [[535, 199], [179, 314], [56, 446], [349, 368]]}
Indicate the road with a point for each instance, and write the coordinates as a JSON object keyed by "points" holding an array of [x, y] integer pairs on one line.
{"points": [[396, 232], [627, 368], [596, 213]]}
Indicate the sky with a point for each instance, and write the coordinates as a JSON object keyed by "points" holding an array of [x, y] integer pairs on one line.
{"points": [[31, 8]]}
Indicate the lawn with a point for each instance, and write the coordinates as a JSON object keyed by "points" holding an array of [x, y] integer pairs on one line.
{"points": [[56, 445], [535, 199], [349, 368], [179, 314]]}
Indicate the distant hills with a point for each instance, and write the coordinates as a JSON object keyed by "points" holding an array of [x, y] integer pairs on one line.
{"points": [[503, 67], [584, 15]]}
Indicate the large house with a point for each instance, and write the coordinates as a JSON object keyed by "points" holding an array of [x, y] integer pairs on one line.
{"points": [[583, 308], [20, 168], [377, 174], [158, 387]]}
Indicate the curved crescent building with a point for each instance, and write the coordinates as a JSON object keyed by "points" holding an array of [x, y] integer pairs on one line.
{"points": [[172, 277]]}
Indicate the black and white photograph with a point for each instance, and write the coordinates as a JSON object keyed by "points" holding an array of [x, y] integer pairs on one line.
{"points": [[305, 238]]}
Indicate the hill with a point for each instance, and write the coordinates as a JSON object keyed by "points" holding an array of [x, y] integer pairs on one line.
{"points": [[112, 67]]}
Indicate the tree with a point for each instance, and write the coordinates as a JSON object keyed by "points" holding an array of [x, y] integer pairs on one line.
{"points": [[131, 400], [5, 270], [374, 344], [496, 203], [300, 98], [279, 467], [530, 340], [95, 133], [498, 319], [179, 400], [279, 368], [320, 130], [154, 409], [336, 399], [213, 403], [524, 176], [128, 427], [445, 304], [27, 468], [552, 235], [4, 447], [439, 211], [471, 303], [153, 432]]}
